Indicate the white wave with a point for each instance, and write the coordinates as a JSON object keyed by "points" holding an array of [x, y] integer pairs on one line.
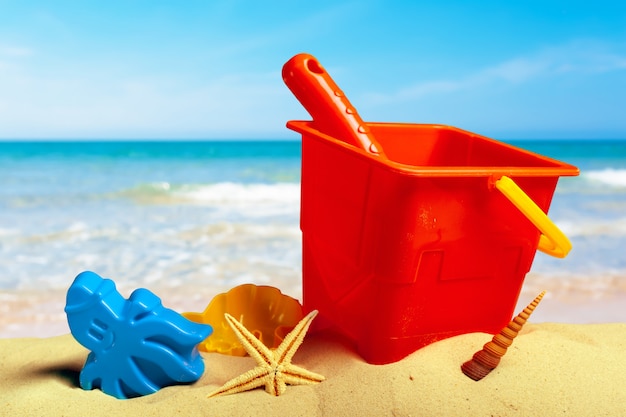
{"points": [[237, 193], [609, 176], [254, 199], [594, 227], [9, 232]]}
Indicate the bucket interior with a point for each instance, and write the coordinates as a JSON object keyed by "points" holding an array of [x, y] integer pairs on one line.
{"points": [[445, 146]]}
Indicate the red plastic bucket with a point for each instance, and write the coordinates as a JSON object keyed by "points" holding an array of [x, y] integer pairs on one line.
{"points": [[431, 240]]}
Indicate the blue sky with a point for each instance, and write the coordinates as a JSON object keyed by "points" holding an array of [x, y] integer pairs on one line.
{"points": [[211, 69]]}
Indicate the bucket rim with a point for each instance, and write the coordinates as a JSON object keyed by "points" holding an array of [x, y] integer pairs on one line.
{"points": [[552, 168]]}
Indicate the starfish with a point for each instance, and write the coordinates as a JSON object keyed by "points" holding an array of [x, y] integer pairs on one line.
{"points": [[274, 369]]}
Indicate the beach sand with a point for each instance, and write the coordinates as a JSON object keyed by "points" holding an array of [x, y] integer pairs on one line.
{"points": [[551, 369]]}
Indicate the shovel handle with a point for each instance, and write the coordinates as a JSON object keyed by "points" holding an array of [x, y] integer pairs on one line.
{"points": [[552, 240], [326, 103]]}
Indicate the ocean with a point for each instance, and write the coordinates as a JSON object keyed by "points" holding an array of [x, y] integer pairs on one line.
{"points": [[191, 219]]}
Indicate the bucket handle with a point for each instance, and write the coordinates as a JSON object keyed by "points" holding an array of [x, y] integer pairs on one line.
{"points": [[552, 240]]}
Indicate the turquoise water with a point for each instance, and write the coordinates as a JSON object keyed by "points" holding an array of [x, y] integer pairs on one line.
{"points": [[143, 209], [591, 210], [206, 216]]}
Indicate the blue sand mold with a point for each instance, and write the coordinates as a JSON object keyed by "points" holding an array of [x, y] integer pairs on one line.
{"points": [[137, 345]]}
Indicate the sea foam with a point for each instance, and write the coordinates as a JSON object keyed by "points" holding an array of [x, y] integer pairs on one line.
{"points": [[609, 176], [217, 193]]}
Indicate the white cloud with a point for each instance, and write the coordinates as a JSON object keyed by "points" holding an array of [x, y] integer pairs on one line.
{"points": [[96, 101], [582, 57], [10, 53], [515, 70], [86, 95], [14, 51], [101, 106]]}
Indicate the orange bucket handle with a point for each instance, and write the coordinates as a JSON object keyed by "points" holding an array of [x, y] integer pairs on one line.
{"points": [[552, 241]]}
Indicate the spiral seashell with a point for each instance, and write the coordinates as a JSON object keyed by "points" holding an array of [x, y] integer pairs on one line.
{"points": [[486, 359]]}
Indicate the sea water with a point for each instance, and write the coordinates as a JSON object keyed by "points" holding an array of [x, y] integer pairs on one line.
{"points": [[191, 219]]}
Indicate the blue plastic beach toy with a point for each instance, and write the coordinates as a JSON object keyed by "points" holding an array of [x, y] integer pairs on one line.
{"points": [[137, 345]]}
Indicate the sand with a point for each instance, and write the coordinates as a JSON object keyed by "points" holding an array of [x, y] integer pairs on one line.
{"points": [[551, 369]]}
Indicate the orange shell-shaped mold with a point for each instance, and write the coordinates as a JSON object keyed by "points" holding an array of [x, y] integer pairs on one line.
{"points": [[486, 359], [265, 311]]}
